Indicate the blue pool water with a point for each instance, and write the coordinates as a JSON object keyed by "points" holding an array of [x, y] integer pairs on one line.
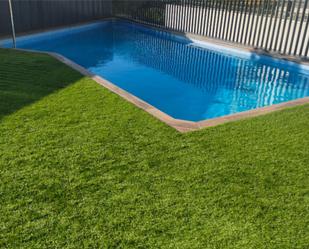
{"points": [[184, 79]]}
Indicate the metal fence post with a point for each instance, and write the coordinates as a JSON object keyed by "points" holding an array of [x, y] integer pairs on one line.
{"points": [[12, 24]]}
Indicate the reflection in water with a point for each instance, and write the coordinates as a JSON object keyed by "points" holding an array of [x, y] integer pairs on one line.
{"points": [[182, 80], [84, 45], [210, 70]]}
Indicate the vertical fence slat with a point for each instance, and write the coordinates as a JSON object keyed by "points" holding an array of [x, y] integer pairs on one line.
{"points": [[289, 28], [228, 21], [266, 23], [236, 19], [250, 22], [207, 12], [300, 28], [271, 23], [283, 28], [202, 23], [223, 16], [207, 26], [243, 21], [253, 34], [304, 34], [295, 26], [216, 18], [275, 25], [211, 17], [260, 23], [232, 20], [307, 49], [194, 16], [264, 20]]}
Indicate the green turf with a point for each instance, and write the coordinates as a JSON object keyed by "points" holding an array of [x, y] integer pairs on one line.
{"points": [[82, 168]]}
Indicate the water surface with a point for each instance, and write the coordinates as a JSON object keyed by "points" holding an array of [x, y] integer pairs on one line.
{"points": [[184, 81]]}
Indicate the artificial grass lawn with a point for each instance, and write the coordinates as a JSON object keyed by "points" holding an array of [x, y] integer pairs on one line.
{"points": [[82, 168]]}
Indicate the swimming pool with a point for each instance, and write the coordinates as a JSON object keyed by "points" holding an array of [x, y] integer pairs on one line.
{"points": [[184, 78]]}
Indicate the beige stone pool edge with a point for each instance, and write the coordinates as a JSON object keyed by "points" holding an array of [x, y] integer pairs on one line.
{"points": [[178, 124]]}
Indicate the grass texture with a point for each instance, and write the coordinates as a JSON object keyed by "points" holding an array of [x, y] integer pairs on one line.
{"points": [[82, 168]]}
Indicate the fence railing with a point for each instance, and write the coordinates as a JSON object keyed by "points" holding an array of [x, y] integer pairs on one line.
{"points": [[279, 26]]}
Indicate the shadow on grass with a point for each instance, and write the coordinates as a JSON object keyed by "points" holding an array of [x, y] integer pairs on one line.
{"points": [[27, 77]]}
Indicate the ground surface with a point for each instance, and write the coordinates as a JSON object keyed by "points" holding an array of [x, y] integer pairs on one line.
{"points": [[82, 168]]}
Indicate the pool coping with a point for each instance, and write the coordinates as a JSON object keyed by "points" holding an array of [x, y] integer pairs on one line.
{"points": [[178, 124]]}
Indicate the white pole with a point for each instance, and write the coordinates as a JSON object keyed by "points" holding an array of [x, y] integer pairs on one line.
{"points": [[12, 24]]}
